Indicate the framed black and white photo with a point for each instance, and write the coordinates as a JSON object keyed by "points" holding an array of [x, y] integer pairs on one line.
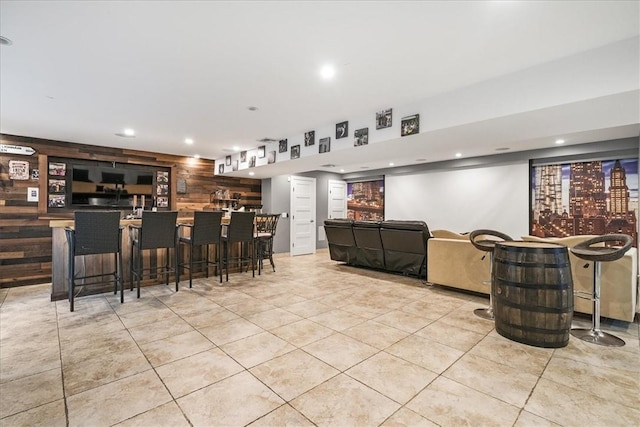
{"points": [[410, 125], [295, 151], [261, 151], [324, 145], [243, 157], [309, 138], [227, 161], [272, 157], [361, 137], [252, 161], [221, 168], [383, 119], [282, 146], [234, 166], [342, 130], [162, 177]]}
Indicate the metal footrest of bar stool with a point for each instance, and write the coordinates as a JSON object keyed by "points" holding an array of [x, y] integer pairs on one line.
{"points": [[487, 245], [599, 254]]}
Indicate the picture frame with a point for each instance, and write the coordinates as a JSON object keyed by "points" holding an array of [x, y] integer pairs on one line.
{"points": [[324, 145], [57, 185], [243, 156], [57, 169], [227, 161], [252, 162], [342, 130], [163, 202], [19, 170], [57, 201], [163, 189], [361, 137], [295, 151], [220, 168], [600, 187], [235, 165], [410, 125], [384, 119], [282, 146], [272, 157], [309, 138], [261, 151], [162, 177]]}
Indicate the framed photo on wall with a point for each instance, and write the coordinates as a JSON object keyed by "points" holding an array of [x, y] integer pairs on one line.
{"points": [[324, 145], [261, 151], [221, 168], [342, 130], [410, 125], [597, 197], [309, 138], [243, 156], [282, 146], [384, 119], [361, 137], [295, 151], [272, 157], [227, 161]]}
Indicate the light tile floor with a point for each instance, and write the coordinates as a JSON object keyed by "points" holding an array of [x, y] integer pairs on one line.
{"points": [[315, 343]]}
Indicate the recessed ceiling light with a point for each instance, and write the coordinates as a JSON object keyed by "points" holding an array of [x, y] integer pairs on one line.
{"points": [[559, 141], [188, 141], [341, 170], [236, 148], [458, 154], [251, 173], [328, 72], [5, 41], [127, 133], [196, 156], [391, 164]]}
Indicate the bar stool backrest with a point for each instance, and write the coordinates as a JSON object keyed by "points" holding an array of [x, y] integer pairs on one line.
{"points": [[158, 230], [241, 227], [96, 232], [206, 227], [267, 223]]}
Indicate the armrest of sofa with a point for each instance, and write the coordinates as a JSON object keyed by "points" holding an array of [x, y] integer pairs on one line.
{"points": [[458, 264]]}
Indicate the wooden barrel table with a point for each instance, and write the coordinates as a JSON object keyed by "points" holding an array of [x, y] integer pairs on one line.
{"points": [[533, 293]]}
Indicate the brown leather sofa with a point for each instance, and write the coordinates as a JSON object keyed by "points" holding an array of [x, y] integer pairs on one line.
{"points": [[394, 246]]}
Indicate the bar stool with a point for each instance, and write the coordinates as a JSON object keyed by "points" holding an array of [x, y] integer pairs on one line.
{"points": [[240, 230], [598, 255], [96, 232], [157, 231], [487, 245], [265, 232], [204, 231]]}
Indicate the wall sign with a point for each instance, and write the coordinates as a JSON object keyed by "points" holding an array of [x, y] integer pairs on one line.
{"points": [[18, 169], [16, 149]]}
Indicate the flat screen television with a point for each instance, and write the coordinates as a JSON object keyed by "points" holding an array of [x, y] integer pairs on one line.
{"points": [[110, 184]]}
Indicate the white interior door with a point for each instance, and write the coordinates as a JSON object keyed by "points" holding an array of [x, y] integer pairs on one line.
{"points": [[303, 215], [337, 199]]}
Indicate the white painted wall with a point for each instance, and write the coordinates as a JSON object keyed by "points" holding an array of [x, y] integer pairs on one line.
{"points": [[494, 197]]}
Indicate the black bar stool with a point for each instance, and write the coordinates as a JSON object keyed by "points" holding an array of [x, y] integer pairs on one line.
{"points": [[96, 232], [598, 255], [205, 231], [240, 230], [158, 230], [487, 245], [265, 232]]}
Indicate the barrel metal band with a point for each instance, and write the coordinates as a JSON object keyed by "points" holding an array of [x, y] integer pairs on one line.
{"points": [[536, 309]]}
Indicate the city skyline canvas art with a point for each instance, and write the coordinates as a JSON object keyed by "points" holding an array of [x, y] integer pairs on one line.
{"points": [[598, 197], [365, 200]]}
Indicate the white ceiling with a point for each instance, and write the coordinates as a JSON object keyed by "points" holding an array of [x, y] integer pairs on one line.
{"points": [[83, 71]]}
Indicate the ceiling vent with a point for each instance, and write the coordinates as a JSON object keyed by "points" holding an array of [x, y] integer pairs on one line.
{"points": [[267, 140], [328, 165]]}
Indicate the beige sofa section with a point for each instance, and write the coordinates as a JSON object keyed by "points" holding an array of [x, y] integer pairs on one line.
{"points": [[453, 261], [618, 285]]}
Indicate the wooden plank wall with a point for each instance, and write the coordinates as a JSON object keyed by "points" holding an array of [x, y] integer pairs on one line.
{"points": [[25, 236]]}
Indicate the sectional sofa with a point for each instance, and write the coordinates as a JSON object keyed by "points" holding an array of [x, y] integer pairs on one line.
{"points": [[453, 261], [394, 246]]}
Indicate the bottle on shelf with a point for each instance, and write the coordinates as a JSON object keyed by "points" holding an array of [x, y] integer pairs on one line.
{"points": [[154, 205]]}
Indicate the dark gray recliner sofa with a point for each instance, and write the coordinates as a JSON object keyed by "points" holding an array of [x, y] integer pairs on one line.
{"points": [[394, 246]]}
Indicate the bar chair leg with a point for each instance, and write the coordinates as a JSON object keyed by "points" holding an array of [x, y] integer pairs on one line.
{"points": [[594, 335], [487, 313]]}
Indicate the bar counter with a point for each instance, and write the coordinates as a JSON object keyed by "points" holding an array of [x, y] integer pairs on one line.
{"points": [[96, 264]]}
